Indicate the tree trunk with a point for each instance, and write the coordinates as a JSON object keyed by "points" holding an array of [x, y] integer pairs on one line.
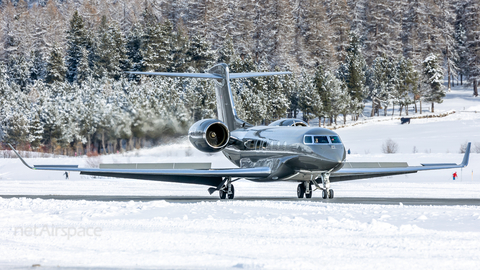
{"points": [[448, 70], [385, 111], [406, 109], [88, 144], [393, 109], [433, 108], [372, 113], [475, 89], [420, 101], [344, 118], [103, 143], [453, 81], [461, 79]]}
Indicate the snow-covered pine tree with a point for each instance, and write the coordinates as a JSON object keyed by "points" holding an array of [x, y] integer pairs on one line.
{"points": [[133, 46], [38, 69], [276, 98], [56, 69], [309, 100], [199, 54], [110, 50], [339, 20], [382, 28], [83, 69], [407, 84], [179, 50], [472, 27], [76, 40], [156, 46], [226, 53], [446, 27], [433, 77], [352, 72], [18, 69], [460, 37]]}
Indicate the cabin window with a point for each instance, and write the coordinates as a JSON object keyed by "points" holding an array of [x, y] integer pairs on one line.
{"points": [[335, 139], [250, 144], [264, 146], [308, 139]]}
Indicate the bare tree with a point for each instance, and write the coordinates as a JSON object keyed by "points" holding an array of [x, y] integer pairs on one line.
{"points": [[389, 147]]}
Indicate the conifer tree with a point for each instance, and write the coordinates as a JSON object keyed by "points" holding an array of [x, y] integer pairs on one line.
{"points": [[199, 54], [56, 69], [433, 77], [352, 72], [76, 40], [111, 51], [38, 68]]}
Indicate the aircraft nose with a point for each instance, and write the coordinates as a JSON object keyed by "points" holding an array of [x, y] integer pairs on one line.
{"points": [[338, 154]]}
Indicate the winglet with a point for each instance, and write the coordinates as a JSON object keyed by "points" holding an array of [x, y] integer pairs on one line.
{"points": [[466, 156], [18, 155]]}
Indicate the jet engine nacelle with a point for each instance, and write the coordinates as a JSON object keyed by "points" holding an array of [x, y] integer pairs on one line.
{"points": [[209, 135]]}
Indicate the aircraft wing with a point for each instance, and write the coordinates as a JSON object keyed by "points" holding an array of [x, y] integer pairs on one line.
{"points": [[209, 177], [362, 170]]}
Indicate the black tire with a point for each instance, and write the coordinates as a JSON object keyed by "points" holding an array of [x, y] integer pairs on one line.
{"points": [[222, 194], [300, 190], [309, 195], [330, 196], [324, 194], [231, 196]]}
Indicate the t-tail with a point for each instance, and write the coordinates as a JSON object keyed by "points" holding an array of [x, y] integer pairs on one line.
{"points": [[225, 104]]}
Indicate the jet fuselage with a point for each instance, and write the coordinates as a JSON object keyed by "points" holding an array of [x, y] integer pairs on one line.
{"points": [[286, 149]]}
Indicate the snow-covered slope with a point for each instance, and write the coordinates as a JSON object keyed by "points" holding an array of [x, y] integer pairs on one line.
{"points": [[256, 234]]}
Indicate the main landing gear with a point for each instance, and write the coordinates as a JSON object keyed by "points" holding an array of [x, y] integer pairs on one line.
{"points": [[305, 188], [228, 190]]}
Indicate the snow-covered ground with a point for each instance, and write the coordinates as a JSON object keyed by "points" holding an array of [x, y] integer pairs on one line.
{"points": [[270, 234]]}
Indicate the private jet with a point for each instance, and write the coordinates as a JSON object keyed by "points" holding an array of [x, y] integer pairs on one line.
{"points": [[285, 150]]}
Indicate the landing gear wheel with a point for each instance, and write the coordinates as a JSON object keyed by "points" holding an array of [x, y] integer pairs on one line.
{"points": [[324, 194], [230, 196], [330, 195], [222, 194], [309, 195], [300, 190]]}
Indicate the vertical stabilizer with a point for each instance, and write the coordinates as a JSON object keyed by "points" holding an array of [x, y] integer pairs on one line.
{"points": [[225, 104]]}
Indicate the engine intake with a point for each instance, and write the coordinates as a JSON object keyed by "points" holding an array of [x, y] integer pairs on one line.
{"points": [[209, 135]]}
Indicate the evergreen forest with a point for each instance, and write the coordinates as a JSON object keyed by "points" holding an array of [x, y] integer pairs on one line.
{"points": [[64, 90]]}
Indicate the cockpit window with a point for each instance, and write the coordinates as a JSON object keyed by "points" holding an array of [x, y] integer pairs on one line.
{"points": [[335, 139], [320, 139], [309, 139]]}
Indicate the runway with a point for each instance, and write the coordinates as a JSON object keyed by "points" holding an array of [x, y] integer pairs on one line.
{"points": [[194, 199]]}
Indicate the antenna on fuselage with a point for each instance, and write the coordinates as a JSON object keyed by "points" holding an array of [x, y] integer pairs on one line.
{"points": [[225, 104]]}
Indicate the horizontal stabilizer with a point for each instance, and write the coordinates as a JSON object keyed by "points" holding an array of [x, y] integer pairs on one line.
{"points": [[187, 75], [210, 75], [255, 74]]}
